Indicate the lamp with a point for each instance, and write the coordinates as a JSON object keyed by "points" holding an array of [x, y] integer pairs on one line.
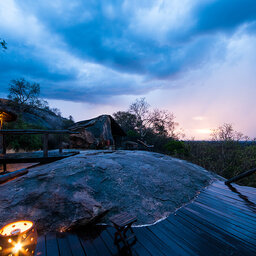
{"points": [[6, 116], [18, 239]]}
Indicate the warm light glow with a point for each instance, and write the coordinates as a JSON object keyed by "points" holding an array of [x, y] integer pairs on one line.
{"points": [[17, 247], [198, 118], [204, 131], [18, 238], [16, 228]]}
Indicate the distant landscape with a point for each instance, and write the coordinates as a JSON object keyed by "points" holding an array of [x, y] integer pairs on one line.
{"points": [[227, 153]]}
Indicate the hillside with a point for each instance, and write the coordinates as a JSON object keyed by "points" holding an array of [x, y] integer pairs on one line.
{"points": [[34, 116], [30, 117]]}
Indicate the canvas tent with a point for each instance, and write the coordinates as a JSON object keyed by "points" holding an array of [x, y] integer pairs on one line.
{"points": [[99, 132]]}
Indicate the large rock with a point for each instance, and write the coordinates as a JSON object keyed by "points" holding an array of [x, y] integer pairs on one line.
{"points": [[96, 133], [76, 190]]}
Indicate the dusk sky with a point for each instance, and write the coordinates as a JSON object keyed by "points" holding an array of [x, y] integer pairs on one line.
{"points": [[196, 58]]}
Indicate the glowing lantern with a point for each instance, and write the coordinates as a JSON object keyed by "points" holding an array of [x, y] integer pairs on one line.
{"points": [[6, 116], [18, 239]]}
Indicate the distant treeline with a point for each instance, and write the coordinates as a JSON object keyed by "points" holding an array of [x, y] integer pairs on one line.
{"points": [[226, 158]]}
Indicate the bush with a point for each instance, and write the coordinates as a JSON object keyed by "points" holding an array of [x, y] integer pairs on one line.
{"points": [[176, 148], [226, 158], [25, 142]]}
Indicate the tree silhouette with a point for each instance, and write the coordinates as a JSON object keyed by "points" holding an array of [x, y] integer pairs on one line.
{"points": [[23, 92]]}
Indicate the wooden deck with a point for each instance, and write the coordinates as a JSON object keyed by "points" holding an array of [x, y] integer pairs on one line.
{"points": [[36, 157], [220, 221]]}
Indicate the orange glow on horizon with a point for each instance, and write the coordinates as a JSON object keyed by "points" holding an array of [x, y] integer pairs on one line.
{"points": [[203, 131]]}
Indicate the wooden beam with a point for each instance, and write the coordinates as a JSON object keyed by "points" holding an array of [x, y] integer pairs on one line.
{"points": [[11, 175], [41, 160], [34, 131], [241, 176]]}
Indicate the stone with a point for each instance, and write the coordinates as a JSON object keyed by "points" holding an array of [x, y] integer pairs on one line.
{"points": [[96, 133], [78, 190]]}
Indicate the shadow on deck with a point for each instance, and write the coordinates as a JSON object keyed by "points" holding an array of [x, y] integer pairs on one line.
{"points": [[220, 221]]}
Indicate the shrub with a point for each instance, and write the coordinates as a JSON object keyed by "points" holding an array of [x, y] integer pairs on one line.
{"points": [[176, 148]]}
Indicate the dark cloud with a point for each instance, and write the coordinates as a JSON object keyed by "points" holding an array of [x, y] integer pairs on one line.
{"points": [[224, 15], [130, 58]]}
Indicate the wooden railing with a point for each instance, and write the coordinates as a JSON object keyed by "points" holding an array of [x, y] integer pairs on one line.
{"points": [[240, 176], [45, 134]]}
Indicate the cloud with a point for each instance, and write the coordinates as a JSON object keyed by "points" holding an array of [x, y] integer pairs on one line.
{"points": [[89, 51], [224, 15]]}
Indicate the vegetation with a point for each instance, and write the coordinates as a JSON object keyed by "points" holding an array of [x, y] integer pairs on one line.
{"points": [[228, 154], [25, 142], [24, 99], [176, 148], [155, 127]]}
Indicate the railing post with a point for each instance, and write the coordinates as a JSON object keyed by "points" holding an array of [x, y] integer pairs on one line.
{"points": [[2, 144], [60, 144], [45, 145], [3, 150]]}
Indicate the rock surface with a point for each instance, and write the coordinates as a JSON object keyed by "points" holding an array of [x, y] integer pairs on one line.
{"points": [[96, 133], [76, 190]]}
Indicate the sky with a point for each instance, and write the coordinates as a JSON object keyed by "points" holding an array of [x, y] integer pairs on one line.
{"points": [[195, 58]]}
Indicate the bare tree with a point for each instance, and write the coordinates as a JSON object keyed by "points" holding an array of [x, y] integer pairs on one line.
{"points": [[161, 122], [140, 109], [23, 92], [226, 132]]}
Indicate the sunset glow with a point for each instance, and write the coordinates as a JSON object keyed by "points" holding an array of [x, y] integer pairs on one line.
{"points": [[204, 131]]}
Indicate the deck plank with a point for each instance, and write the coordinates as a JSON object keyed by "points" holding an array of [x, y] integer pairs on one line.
{"points": [[208, 237], [108, 240], [227, 223], [64, 247], [40, 247], [75, 245], [210, 200], [88, 247], [222, 229], [170, 239], [239, 216], [147, 242], [52, 245], [229, 242], [195, 239], [100, 247]]}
